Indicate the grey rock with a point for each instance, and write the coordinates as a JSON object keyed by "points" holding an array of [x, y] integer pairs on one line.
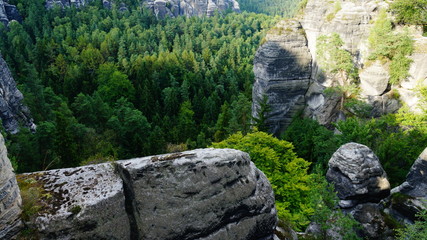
{"points": [[282, 68], [8, 13], [3, 16], [200, 194], [174, 8], [324, 108], [351, 22], [357, 174], [12, 110], [410, 197], [206, 194], [10, 199], [417, 77], [416, 182], [382, 105], [374, 79], [374, 226], [106, 4], [86, 203], [49, 4]]}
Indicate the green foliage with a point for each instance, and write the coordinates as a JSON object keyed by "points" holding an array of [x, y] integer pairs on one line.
{"points": [[397, 140], [410, 11], [388, 46], [105, 85], [417, 231], [328, 215], [337, 8], [286, 172], [284, 8], [333, 58], [312, 141], [260, 120]]}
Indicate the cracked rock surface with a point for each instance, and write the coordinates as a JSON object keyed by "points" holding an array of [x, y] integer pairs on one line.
{"points": [[199, 194], [357, 174], [10, 199]]}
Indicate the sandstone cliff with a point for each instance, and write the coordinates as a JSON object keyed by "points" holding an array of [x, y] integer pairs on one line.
{"points": [[352, 21], [163, 8], [8, 12], [410, 197], [282, 68], [10, 200], [174, 8], [12, 110], [199, 194]]}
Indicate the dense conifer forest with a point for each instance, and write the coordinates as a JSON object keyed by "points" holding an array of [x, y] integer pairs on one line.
{"points": [[105, 84]]}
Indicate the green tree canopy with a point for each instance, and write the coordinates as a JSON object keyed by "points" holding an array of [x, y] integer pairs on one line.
{"points": [[410, 11], [287, 173]]}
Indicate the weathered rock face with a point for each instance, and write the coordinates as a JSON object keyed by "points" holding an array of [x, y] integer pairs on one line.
{"points": [[200, 194], [374, 79], [410, 197], [206, 194], [85, 203], [10, 200], [361, 184], [282, 68], [65, 3], [416, 181], [417, 75], [8, 12], [358, 175], [174, 8], [12, 111], [371, 217]]}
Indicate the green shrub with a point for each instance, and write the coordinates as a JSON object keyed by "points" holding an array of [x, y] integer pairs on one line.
{"points": [[287, 173], [388, 46], [417, 231], [412, 12], [312, 141]]}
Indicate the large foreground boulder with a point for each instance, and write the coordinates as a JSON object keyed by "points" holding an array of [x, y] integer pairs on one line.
{"points": [[79, 203], [200, 194], [10, 200]]}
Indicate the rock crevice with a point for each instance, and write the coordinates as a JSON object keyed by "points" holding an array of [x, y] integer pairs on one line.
{"points": [[203, 194]]}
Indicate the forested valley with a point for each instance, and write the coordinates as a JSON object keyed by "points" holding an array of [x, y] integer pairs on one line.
{"points": [[106, 84]]}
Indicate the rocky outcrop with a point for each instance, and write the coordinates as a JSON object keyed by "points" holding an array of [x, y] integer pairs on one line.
{"points": [[374, 79], [10, 199], [174, 8], [358, 175], [416, 182], [417, 75], [12, 110], [84, 203], [8, 12], [361, 183], [65, 3], [410, 197], [282, 68], [200, 194], [352, 21]]}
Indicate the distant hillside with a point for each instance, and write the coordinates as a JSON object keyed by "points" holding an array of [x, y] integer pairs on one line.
{"points": [[284, 8]]}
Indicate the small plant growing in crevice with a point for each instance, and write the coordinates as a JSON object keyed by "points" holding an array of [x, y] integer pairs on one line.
{"points": [[75, 209]]}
